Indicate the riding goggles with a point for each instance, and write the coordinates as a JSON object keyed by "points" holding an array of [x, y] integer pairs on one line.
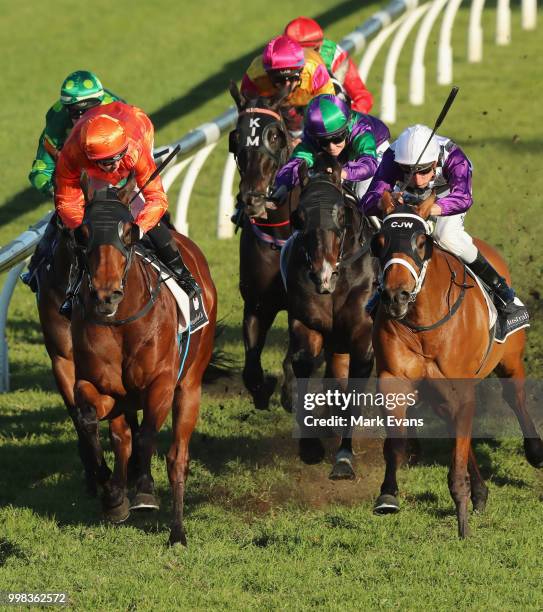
{"points": [[281, 78], [325, 141], [407, 169], [80, 108], [110, 161]]}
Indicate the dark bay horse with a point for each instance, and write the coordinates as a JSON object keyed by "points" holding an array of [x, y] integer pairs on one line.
{"points": [[329, 277], [432, 327], [127, 357], [260, 144]]}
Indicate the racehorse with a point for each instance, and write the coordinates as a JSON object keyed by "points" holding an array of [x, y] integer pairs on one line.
{"points": [[127, 356], [260, 144], [329, 277], [432, 326]]}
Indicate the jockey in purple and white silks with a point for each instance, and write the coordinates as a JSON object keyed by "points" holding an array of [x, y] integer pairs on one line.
{"points": [[356, 140], [444, 169]]}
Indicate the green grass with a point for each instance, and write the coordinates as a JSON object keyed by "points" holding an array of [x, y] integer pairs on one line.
{"points": [[264, 530]]}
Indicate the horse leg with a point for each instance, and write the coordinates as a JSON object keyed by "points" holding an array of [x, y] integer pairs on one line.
{"points": [[257, 320], [512, 376], [479, 490], [305, 346], [90, 406], [115, 501], [289, 380], [394, 447], [131, 417], [158, 402], [338, 367], [458, 478], [186, 405]]}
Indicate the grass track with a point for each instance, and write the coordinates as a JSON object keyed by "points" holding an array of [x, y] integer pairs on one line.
{"points": [[263, 529]]}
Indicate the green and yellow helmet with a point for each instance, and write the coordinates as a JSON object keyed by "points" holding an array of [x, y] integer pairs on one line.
{"points": [[81, 86]]}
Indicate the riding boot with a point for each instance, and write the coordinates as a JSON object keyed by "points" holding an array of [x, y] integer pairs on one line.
{"points": [[502, 294], [373, 304], [41, 253], [169, 255], [74, 279]]}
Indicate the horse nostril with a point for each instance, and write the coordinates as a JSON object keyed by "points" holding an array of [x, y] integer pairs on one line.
{"points": [[404, 295], [116, 296]]}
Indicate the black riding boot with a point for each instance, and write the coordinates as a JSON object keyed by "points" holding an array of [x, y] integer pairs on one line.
{"points": [[502, 294], [74, 280], [169, 255], [41, 253]]}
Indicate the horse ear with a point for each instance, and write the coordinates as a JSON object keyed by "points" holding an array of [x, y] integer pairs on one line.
{"points": [[386, 204], [303, 174], [425, 207], [86, 188], [127, 189], [129, 233], [236, 95]]}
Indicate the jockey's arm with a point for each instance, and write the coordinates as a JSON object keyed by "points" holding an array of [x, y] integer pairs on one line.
{"points": [[362, 100], [69, 200], [457, 172], [43, 167], [383, 180], [156, 200], [363, 164], [288, 175]]}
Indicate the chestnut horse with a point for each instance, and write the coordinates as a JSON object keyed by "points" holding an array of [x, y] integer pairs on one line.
{"points": [[260, 144], [329, 276], [127, 356], [432, 326]]}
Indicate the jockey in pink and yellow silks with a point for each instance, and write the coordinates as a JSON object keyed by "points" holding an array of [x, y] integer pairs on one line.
{"points": [[286, 66]]}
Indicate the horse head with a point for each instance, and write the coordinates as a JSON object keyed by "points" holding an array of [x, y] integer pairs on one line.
{"points": [[322, 218], [260, 145], [105, 240], [403, 247]]}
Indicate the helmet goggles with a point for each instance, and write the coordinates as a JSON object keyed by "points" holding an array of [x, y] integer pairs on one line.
{"points": [[338, 138], [111, 161], [80, 108]]}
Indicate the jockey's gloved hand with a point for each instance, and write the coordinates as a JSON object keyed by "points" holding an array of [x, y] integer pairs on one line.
{"points": [[279, 194]]}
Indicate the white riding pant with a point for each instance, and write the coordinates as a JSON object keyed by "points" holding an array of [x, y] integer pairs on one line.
{"points": [[450, 234]]}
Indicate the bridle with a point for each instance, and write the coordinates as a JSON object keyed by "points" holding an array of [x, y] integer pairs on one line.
{"points": [[258, 139], [401, 230]]}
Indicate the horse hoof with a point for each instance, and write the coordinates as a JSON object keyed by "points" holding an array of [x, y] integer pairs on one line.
{"points": [[261, 397], [177, 537], [533, 449], [479, 499], [144, 501], [311, 450], [119, 513], [386, 504], [342, 470], [91, 487]]}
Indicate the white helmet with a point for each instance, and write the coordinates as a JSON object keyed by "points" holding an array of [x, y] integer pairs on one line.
{"points": [[410, 144]]}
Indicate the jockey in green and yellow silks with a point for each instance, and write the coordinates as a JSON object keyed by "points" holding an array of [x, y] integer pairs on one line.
{"points": [[80, 91]]}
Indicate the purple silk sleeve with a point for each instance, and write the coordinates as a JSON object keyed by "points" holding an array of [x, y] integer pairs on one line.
{"points": [[361, 169], [288, 175], [384, 180], [457, 172]]}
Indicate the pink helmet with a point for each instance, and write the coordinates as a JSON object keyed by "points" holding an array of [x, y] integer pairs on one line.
{"points": [[282, 54]]}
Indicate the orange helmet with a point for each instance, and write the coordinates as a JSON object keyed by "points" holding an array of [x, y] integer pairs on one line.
{"points": [[305, 31], [103, 137]]}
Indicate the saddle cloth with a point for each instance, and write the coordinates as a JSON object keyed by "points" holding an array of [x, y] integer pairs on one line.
{"points": [[507, 324], [189, 310]]}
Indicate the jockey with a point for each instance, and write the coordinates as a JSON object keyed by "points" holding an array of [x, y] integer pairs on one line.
{"points": [[284, 67], [445, 170], [330, 126], [308, 33], [80, 91], [107, 146]]}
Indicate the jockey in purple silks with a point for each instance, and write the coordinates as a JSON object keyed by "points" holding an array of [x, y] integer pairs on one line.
{"points": [[444, 169], [356, 140]]}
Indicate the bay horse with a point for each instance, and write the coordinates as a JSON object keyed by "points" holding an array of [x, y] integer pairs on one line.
{"points": [[432, 327], [261, 145], [329, 276], [127, 356]]}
